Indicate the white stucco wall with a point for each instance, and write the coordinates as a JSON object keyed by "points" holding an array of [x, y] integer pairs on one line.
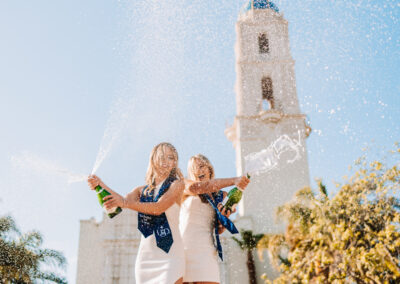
{"points": [[107, 250]]}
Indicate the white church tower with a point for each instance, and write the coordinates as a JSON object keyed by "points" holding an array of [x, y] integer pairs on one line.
{"points": [[268, 122]]}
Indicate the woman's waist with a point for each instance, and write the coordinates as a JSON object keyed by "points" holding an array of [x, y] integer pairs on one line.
{"points": [[188, 223], [196, 233], [197, 217], [198, 242]]}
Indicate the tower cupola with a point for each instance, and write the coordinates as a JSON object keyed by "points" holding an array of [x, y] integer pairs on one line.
{"points": [[259, 5]]}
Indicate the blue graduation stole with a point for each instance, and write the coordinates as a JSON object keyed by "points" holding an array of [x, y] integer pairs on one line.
{"points": [[157, 224], [228, 224]]}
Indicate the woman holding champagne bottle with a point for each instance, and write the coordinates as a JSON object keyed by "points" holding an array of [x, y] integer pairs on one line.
{"points": [[200, 219], [160, 256]]}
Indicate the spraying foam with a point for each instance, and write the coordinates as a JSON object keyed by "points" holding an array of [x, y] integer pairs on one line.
{"points": [[268, 159], [40, 165]]}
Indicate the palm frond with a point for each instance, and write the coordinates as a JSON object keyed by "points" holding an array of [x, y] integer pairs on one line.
{"points": [[50, 276], [240, 243], [52, 257]]}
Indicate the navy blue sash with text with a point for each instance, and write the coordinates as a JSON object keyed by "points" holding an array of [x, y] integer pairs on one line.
{"points": [[157, 224]]}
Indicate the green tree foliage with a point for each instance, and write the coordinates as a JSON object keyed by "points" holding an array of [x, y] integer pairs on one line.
{"points": [[352, 237], [249, 243], [22, 259]]}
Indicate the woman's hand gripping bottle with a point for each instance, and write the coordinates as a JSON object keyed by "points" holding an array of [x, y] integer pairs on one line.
{"points": [[233, 197], [101, 193]]}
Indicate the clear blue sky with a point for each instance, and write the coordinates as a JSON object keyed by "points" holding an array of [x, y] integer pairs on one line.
{"points": [[64, 64]]}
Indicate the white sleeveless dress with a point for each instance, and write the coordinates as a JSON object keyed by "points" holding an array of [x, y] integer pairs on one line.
{"points": [[197, 226], [155, 266]]}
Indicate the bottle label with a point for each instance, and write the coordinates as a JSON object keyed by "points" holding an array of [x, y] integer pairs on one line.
{"points": [[111, 210], [225, 200]]}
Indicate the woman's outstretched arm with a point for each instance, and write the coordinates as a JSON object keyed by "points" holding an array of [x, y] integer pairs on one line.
{"points": [[132, 200], [213, 185]]}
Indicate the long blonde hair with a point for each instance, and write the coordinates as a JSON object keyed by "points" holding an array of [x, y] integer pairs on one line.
{"points": [[190, 170], [203, 159], [151, 172]]}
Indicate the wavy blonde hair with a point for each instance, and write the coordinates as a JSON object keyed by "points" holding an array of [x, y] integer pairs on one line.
{"points": [[190, 169], [200, 158], [155, 153]]}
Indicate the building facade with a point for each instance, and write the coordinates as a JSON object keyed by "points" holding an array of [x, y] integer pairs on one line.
{"points": [[107, 250]]}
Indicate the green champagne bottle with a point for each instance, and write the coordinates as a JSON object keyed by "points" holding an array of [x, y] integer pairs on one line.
{"points": [[101, 193], [233, 197]]}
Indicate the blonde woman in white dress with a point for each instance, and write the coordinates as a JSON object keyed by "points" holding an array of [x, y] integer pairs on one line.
{"points": [[197, 225], [160, 257]]}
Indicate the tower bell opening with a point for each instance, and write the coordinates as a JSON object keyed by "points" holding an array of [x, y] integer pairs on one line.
{"points": [[268, 101], [263, 43]]}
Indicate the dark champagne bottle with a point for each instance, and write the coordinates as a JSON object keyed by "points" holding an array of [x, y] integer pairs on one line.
{"points": [[233, 197], [101, 193]]}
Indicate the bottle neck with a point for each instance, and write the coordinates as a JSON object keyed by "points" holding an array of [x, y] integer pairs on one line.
{"points": [[98, 189], [240, 188]]}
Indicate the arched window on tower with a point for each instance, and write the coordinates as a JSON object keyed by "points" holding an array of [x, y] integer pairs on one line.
{"points": [[263, 43], [267, 93]]}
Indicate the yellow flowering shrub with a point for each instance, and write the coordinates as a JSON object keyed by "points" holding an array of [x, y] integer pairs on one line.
{"points": [[352, 237]]}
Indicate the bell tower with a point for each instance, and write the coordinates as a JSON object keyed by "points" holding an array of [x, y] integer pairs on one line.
{"points": [[267, 109], [268, 112]]}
